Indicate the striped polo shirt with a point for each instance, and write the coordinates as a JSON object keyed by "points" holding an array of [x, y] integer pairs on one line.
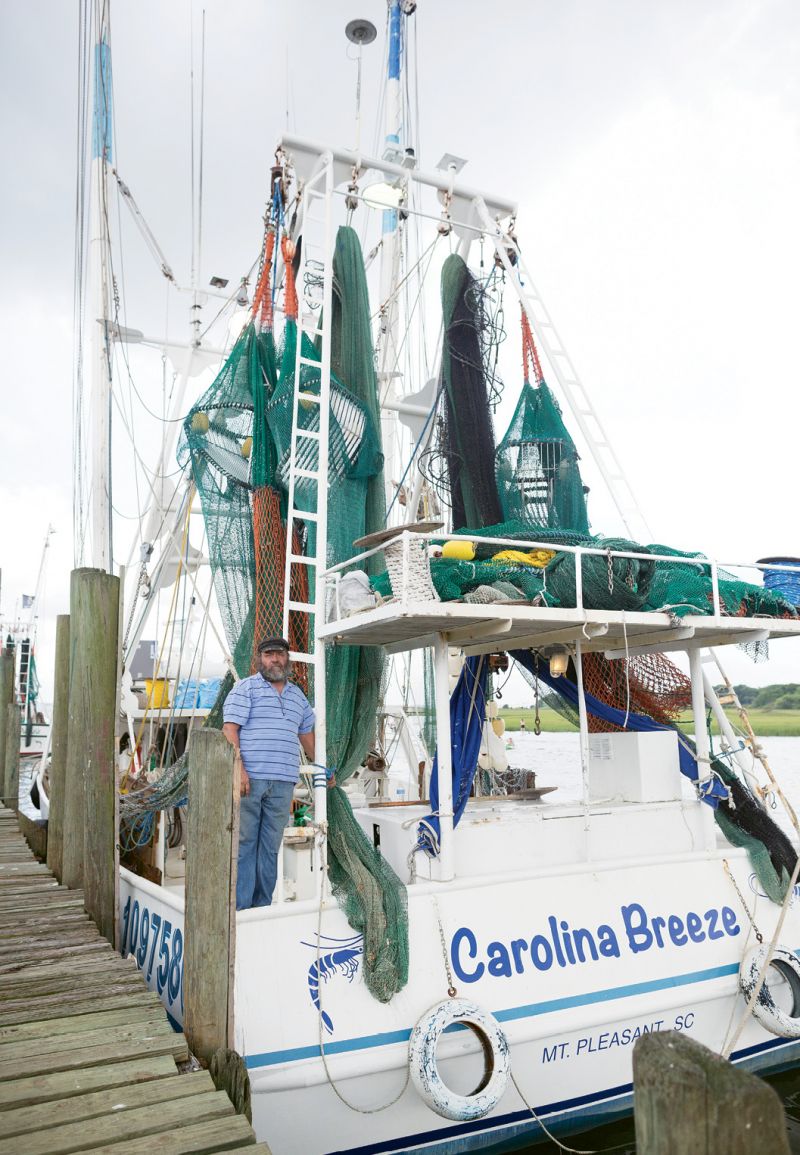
{"points": [[270, 723]]}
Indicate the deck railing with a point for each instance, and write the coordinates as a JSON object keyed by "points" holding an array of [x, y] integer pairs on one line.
{"points": [[580, 551]]}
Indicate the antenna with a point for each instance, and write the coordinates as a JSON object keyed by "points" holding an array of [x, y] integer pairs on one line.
{"points": [[360, 32]]}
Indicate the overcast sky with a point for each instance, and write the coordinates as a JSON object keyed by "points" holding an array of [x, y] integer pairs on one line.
{"points": [[655, 153]]}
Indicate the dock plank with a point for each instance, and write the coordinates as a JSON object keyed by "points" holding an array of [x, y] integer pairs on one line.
{"points": [[20, 1050], [118, 1052], [88, 1058], [41, 1116], [62, 1085], [196, 1139], [72, 1024], [80, 1002], [119, 1126], [27, 983]]}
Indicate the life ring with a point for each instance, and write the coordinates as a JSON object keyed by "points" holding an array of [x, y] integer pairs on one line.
{"points": [[766, 1010], [424, 1070]]}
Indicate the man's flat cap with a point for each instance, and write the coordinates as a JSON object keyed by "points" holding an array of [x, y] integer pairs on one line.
{"points": [[273, 644]]}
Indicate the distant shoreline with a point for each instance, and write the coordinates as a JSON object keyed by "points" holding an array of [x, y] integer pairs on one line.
{"points": [[766, 723]]}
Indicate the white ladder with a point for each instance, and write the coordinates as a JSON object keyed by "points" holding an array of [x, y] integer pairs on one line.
{"points": [[313, 322], [566, 374]]}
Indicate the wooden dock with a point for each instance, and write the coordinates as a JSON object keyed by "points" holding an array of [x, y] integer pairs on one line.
{"points": [[88, 1060]]}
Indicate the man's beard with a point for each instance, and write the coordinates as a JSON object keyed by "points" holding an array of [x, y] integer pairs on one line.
{"points": [[273, 675]]}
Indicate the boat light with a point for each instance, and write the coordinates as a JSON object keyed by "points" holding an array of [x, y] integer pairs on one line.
{"points": [[559, 661], [382, 195]]}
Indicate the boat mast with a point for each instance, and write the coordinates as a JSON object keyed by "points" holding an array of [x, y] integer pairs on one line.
{"points": [[393, 152], [100, 489]]}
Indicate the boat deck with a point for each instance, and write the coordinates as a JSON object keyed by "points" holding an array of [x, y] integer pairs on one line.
{"points": [[88, 1059], [406, 625]]}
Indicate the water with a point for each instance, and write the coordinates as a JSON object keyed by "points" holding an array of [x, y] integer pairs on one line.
{"points": [[556, 760]]}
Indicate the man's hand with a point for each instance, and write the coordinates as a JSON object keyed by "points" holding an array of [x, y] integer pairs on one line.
{"points": [[244, 780]]}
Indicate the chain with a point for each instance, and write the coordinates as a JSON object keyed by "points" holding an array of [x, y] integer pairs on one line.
{"points": [[537, 721], [141, 582], [451, 990], [758, 934], [610, 572]]}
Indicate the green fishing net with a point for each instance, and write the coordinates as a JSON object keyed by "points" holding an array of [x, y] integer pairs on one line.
{"points": [[608, 583], [238, 437], [537, 466]]}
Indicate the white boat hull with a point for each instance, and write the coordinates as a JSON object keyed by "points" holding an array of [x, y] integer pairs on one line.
{"points": [[523, 948]]}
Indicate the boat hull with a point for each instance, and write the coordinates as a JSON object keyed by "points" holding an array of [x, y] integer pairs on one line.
{"points": [[575, 964]]}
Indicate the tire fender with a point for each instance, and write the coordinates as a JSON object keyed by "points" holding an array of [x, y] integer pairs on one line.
{"points": [[765, 1010], [424, 1070]]}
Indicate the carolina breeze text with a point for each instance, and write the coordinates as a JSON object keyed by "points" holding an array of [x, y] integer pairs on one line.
{"points": [[559, 944]]}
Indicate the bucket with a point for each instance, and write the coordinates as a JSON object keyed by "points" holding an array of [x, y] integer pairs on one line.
{"points": [[157, 692], [782, 581]]}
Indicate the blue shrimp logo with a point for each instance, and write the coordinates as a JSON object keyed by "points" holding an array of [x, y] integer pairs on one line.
{"points": [[341, 957]]}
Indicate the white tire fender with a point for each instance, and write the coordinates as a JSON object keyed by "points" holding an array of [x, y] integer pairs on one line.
{"points": [[425, 1072], [765, 1009]]}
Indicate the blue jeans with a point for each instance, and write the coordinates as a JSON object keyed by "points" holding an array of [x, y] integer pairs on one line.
{"points": [[263, 815]]}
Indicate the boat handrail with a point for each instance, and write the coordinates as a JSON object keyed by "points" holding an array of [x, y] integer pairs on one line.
{"points": [[406, 534]]}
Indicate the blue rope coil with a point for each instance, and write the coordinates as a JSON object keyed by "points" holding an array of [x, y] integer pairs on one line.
{"points": [[782, 582]]}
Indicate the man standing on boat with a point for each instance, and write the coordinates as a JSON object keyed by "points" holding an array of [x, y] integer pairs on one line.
{"points": [[267, 720]]}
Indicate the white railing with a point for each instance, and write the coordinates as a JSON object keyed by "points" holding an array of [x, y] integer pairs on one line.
{"points": [[579, 551]]}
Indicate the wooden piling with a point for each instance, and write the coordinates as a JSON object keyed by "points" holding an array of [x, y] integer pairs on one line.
{"points": [[6, 696], [90, 845], [58, 749], [689, 1101], [11, 768], [210, 928]]}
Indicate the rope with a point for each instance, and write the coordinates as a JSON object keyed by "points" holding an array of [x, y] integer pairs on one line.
{"points": [[328, 1076], [530, 356], [415, 580], [558, 1143], [751, 1002]]}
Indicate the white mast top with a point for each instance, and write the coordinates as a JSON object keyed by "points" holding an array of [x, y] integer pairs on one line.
{"points": [[100, 490]]}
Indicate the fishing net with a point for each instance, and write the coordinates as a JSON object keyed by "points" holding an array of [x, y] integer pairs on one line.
{"points": [[218, 439], [645, 684], [372, 897], [371, 893], [468, 436], [239, 439], [608, 582], [538, 476], [745, 823]]}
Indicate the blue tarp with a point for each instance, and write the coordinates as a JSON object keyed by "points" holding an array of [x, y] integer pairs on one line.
{"points": [[467, 715], [196, 694]]}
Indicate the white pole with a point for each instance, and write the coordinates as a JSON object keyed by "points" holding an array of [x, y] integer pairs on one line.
{"points": [[726, 730], [701, 742], [583, 719], [444, 759], [390, 248], [100, 492]]}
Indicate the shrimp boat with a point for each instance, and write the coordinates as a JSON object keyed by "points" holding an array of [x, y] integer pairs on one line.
{"points": [[466, 962], [19, 635]]}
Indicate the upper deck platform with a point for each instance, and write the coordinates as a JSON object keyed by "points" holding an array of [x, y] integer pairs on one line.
{"points": [[406, 625], [415, 616]]}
